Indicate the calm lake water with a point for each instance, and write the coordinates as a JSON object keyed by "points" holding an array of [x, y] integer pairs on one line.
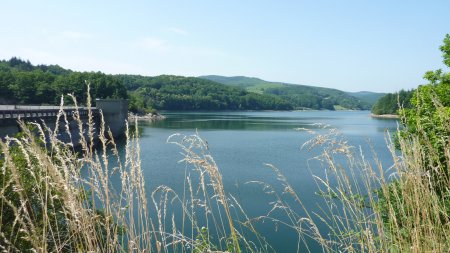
{"points": [[242, 142]]}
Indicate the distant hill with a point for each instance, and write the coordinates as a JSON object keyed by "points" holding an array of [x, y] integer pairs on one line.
{"points": [[367, 96], [300, 96], [240, 81], [24, 83], [168, 92], [389, 103]]}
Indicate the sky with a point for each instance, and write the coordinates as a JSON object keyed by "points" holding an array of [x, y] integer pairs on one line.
{"points": [[380, 46]]}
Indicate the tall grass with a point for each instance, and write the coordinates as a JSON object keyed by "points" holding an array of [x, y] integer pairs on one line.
{"points": [[47, 205], [370, 208], [55, 197], [77, 197]]}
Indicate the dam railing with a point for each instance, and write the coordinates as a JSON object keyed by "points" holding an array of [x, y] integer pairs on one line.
{"points": [[115, 114], [36, 112]]}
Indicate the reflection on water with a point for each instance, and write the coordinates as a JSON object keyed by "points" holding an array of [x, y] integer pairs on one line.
{"points": [[255, 121], [242, 142]]}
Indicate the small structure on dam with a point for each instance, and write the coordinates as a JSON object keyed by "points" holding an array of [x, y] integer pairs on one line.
{"points": [[115, 113]]}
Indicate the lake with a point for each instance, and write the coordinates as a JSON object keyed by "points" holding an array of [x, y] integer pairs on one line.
{"points": [[243, 142]]}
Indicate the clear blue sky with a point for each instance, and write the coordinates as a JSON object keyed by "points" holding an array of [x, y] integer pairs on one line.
{"points": [[349, 45]]}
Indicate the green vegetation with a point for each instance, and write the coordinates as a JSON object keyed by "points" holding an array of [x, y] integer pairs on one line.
{"points": [[436, 89], [405, 208], [57, 199], [23, 186], [389, 103], [47, 205], [189, 93], [427, 121], [367, 96], [23, 83], [59, 210], [299, 96]]}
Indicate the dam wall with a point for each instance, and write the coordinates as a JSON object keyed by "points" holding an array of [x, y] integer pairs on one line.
{"points": [[115, 113]]}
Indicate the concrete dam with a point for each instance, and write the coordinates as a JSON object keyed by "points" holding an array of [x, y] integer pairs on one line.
{"points": [[115, 114]]}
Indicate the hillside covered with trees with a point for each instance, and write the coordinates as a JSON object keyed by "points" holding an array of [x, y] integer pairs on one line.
{"points": [[389, 103], [23, 83], [368, 97], [299, 96], [168, 92]]}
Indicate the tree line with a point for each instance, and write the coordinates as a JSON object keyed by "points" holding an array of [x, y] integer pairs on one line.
{"points": [[23, 83], [169, 92], [298, 96], [391, 102]]}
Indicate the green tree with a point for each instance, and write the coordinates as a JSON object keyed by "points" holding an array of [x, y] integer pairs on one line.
{"points": [[391, 102], [445, 49], [428, 121], [23, 83]]}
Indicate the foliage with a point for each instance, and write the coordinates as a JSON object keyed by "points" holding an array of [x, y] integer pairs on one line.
{"points": [[405, 208], [389, 103], [189, 93], [23, 83], [371, 208], [427, 122], [445, 49], [367, 97], [44, 194], [23, 178], [425, 144], [421, 99], [299, 96], [202, 241], [57, 198]]}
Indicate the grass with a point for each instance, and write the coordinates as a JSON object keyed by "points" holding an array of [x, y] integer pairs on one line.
{"points": [[47, 204]]}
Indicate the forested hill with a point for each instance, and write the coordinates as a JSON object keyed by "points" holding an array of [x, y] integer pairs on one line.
{"points": [[367, 96], [299, 96], [169, 92], [23, 83], [389, 103]]}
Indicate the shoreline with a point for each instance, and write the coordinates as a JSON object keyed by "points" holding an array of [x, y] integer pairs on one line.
{"points": [[147, 117], [293, 110], [384, 116]]}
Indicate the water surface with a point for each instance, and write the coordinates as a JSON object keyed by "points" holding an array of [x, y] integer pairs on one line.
{"points": [[243, 142]]}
